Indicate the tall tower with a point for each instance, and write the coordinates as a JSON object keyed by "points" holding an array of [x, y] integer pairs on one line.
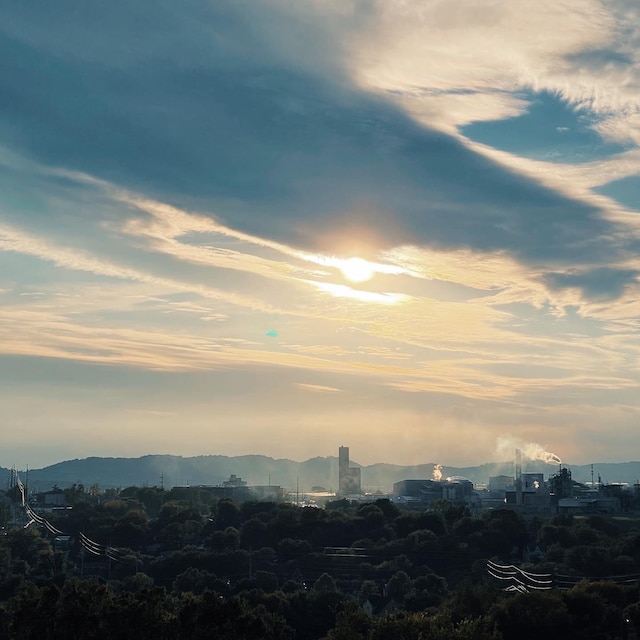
{"points": [[343, 460], [343, 469], [348, 479]]}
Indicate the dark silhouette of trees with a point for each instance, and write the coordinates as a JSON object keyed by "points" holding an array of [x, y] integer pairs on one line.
{"points": [[177, 564]]}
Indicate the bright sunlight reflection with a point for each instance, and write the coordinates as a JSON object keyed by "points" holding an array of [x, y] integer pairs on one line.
{"points": [[342, 291], [357, 269]]}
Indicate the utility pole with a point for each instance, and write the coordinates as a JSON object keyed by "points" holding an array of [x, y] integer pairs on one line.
{"points": [[109, 560]]}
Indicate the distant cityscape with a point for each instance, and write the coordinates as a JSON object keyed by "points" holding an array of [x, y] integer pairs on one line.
{"points": [[405, 550], [528, 492]]}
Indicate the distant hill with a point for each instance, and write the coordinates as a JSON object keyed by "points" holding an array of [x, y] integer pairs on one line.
{"points": [[255, 469]]}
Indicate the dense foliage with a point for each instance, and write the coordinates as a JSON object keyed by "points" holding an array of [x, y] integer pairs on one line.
{"points": [[184, 565]]}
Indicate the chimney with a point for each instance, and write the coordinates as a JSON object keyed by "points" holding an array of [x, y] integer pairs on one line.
{"points": [[518, 477]]}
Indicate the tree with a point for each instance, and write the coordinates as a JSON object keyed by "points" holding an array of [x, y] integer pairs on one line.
{"points": [[531, 616], [427, 591], [227, 514], [399, 585], [508, 527], [450, 511], [195, 581], [588, 560], [352, 623], [151, 498], [391, 512], [368, 588], [254, 533], [209, 616], [224, 540], [325, 584], [76, 494]]}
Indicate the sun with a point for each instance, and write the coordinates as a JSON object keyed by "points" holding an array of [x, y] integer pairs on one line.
{"points": [[357, 269]]}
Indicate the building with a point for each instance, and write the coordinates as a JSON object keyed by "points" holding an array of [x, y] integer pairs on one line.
{"points": [[530, 495], [421, 493], [237, 489], [589, 505], [458, 489], [53, 498], [417, 493], [349, 478], [561, 485]]}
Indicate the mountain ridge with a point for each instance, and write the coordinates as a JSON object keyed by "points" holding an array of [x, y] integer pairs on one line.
{"points": [[256, 469]]}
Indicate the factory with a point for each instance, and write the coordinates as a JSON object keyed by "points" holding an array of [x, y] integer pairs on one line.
{"points": [[419, 494], [525, 492]]}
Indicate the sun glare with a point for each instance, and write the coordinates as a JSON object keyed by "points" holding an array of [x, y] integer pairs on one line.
{"points": [[357, 269]]}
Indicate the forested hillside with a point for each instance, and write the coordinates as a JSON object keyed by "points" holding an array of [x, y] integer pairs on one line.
{"points": [[149, 563]]}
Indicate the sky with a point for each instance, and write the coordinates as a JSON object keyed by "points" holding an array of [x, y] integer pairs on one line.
{"points": [[236, 227]]}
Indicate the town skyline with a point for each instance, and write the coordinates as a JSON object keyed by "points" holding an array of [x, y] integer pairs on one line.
{"points": [[165, 470]]}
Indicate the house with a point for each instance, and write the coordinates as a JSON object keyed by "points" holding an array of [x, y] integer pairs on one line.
{"points": [[53, 498]]}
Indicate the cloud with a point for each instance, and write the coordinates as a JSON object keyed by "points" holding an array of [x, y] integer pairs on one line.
{"points": [[318, 388], [596, 284], [285, 151], [179, 180]]}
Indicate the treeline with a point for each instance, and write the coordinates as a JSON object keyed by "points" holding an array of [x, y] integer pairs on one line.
{"points": [[189, 566]]}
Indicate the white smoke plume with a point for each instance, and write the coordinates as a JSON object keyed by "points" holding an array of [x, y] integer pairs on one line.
{"points": [[506, 446], [437, 472]]}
